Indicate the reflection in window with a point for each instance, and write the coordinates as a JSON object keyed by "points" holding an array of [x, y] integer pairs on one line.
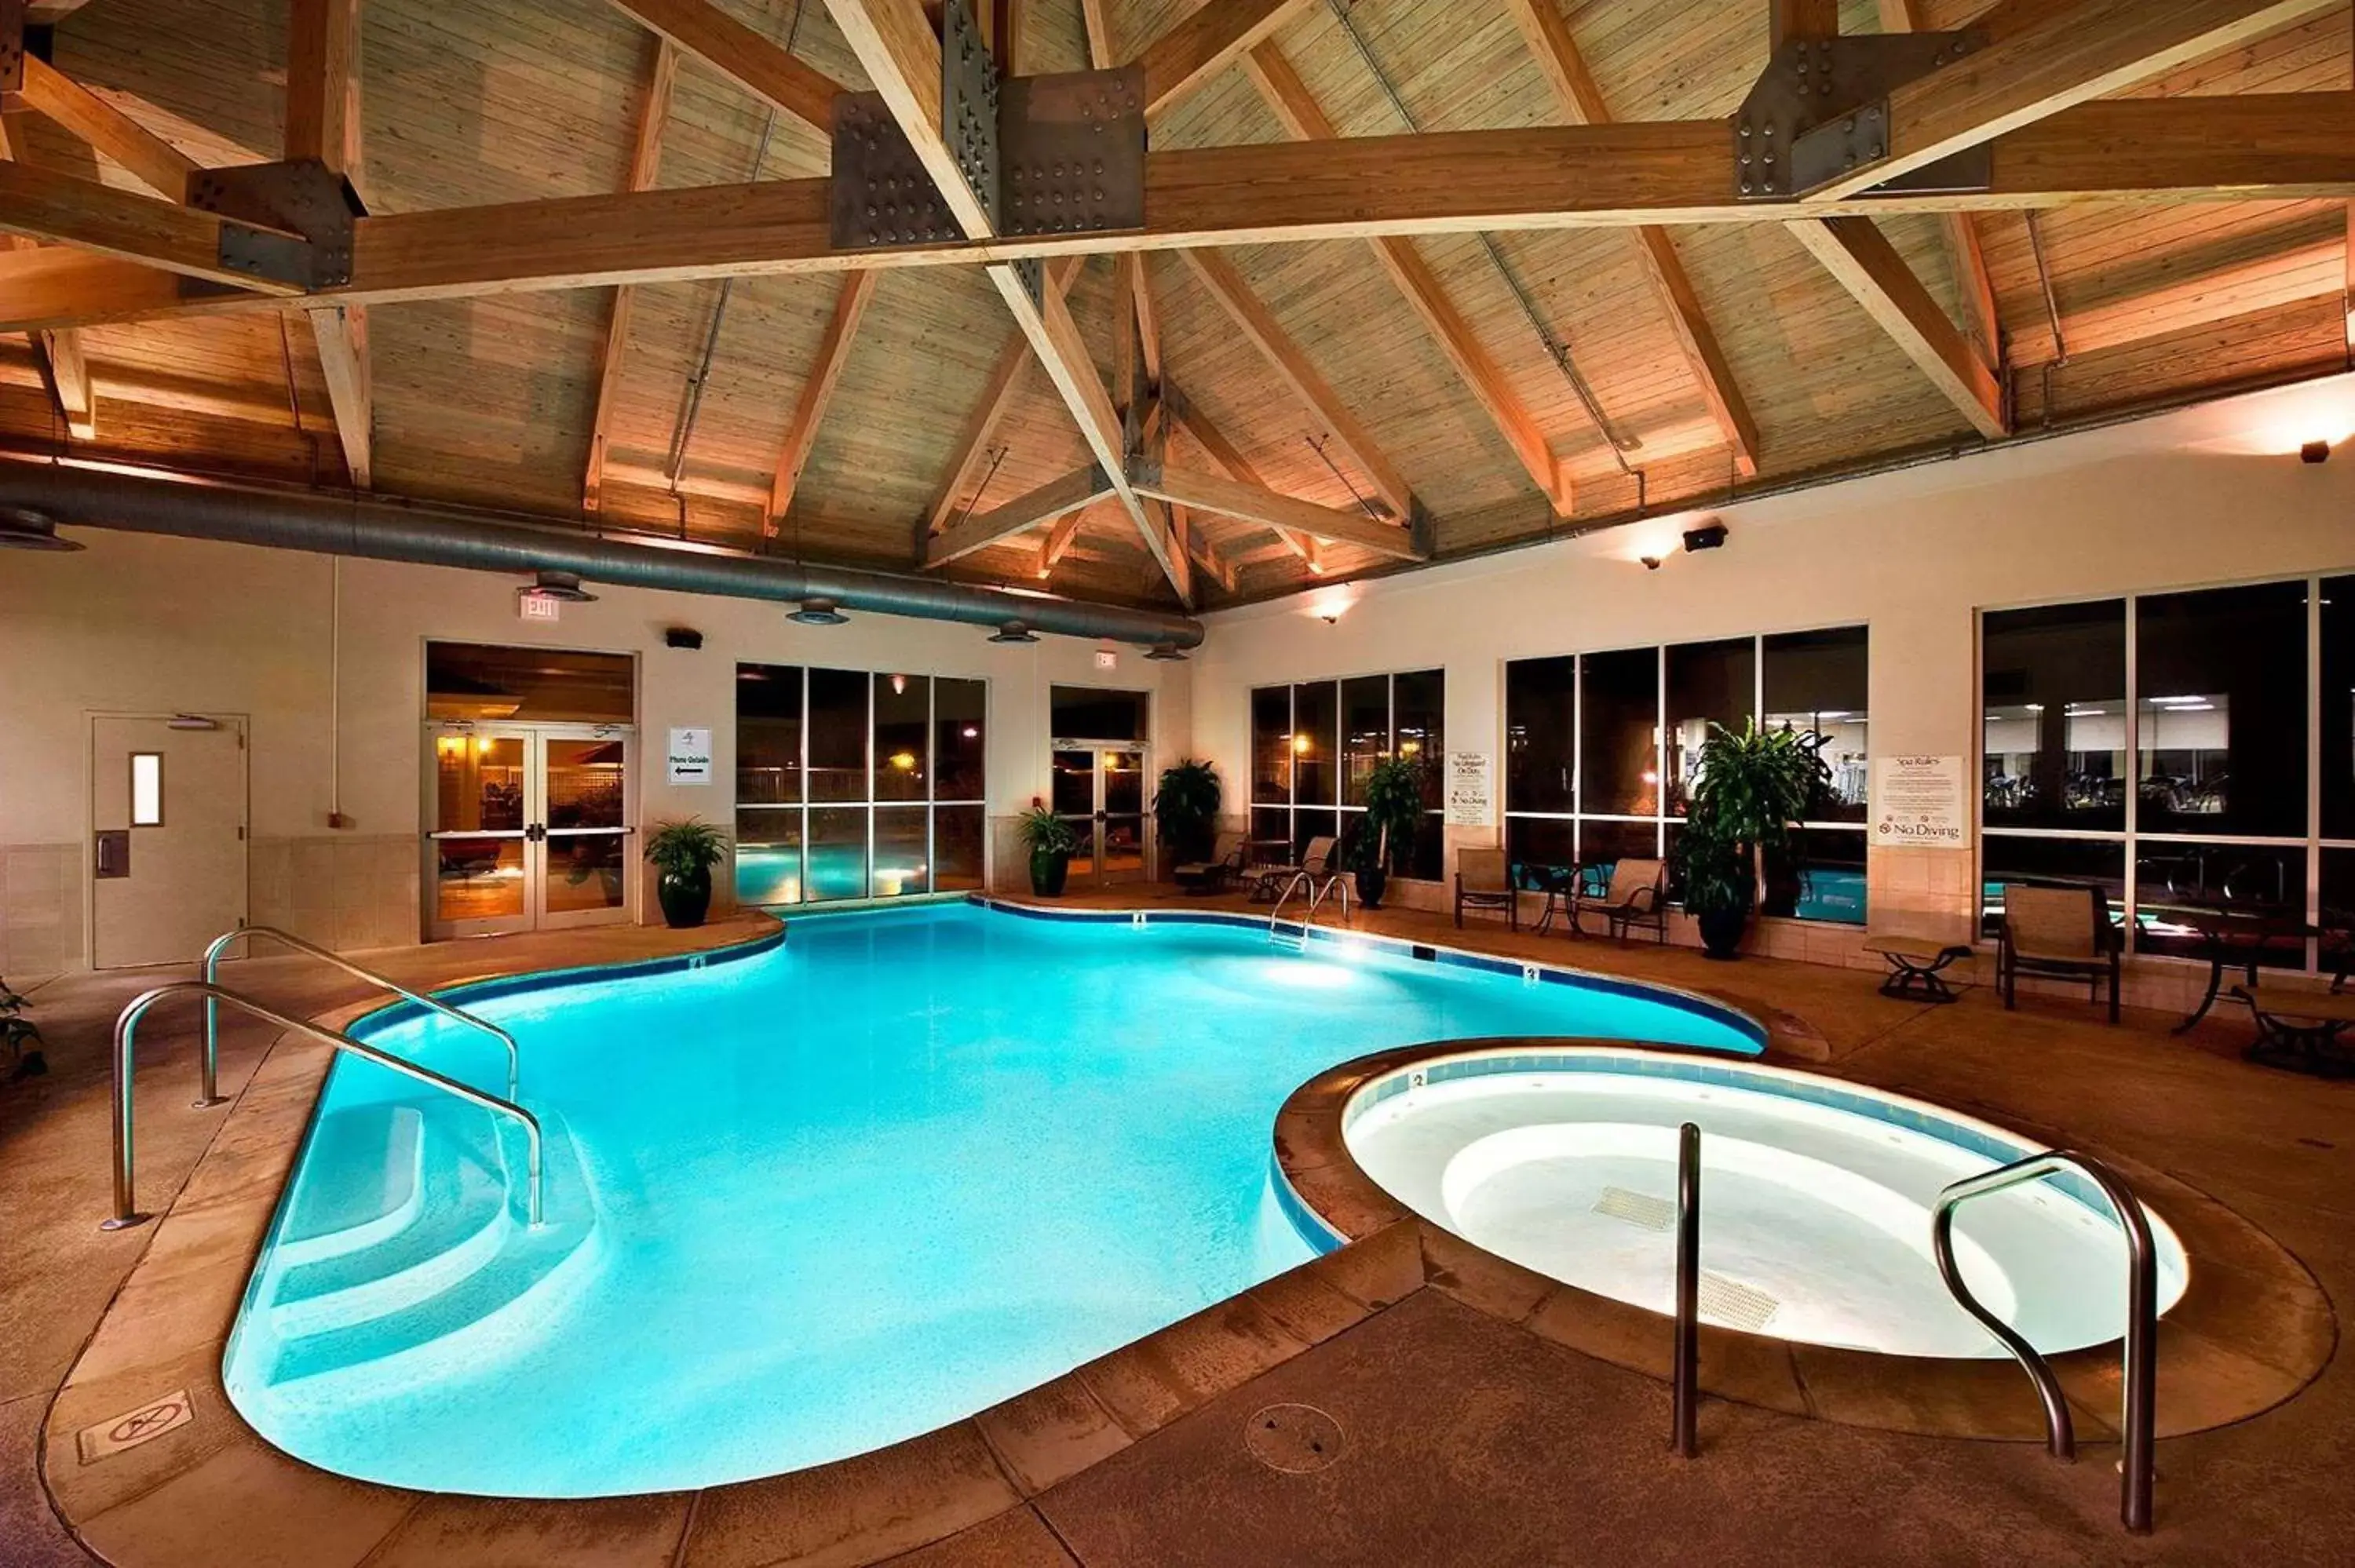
{"points": [[2337, 614], [768, 854], [1818, 682], [837, 735], [1540, 718], [767, 734], [1319, 738], [838, 852], [1271, 779], [2054, 695], [528, 685], [903, 707], [2221, 743], [2178, 884], [2077, 862], [1365, 733], [1708, 684], [1619, 733], [1087, 713], [1316, 740], [960, 710], [903, 851]]}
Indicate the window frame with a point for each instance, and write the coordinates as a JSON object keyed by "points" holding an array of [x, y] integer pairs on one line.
{"points": [[1291, 805]]}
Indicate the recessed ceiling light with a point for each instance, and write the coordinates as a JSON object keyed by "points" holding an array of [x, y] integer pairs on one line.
{"points": [[22, 528], [818, 612]]}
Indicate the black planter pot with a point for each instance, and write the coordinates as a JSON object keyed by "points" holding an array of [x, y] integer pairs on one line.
{"points": [[1371, 885], [1049, 869], [1720, 932], [684, 899]]}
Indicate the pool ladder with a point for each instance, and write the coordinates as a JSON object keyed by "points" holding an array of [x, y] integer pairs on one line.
{"points": [[1316, 896]]}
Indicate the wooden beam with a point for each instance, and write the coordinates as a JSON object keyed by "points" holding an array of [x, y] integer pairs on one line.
{"points": [[1006, 41], [1255, 322], [1296, 107], [751, 60], [1203, 43], [1058, 541], [1256, 503], [322, 62], [1964, 251], [1581, 102], [645, 162], [2046, 56], [67, 376], [1198, 547], [1855, 252], [41, 203], [73, 108], [1148, 317], [1787, 19], [996, 397], [2308, 271], [817, 391], [48, 12], [1232, 464], [341, 333], [895, 43], [1099, 31], [1061, 496]]}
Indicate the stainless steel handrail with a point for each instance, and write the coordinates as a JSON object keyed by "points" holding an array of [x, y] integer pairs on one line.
{"points": [[126, 1030], [1316, 899], [1685, 1369], [2142, 1318], [288, 940]]}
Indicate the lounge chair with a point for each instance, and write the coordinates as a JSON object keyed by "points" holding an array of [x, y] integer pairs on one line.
{"points": [[1484, 881], [2058, 932], [1636, 897], [1199, 879]]}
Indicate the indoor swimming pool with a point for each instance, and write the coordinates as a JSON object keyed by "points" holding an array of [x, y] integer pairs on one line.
{"points": [[807, 1203]]}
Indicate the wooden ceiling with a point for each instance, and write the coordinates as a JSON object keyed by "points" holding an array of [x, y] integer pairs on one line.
{"points": [[1308, 383]]}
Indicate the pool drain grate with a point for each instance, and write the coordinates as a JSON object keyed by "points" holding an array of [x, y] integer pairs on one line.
{"points": [[1636, 1208], [1298, 1439], [1734, 1304]]}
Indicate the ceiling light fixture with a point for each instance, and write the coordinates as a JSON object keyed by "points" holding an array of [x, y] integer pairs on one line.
{"points": [[818, 612], [22, 528], [2314, 452], [1014, 631], [1165, 653], [565, 586]]}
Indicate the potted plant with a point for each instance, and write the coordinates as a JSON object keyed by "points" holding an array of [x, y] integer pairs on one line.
{"points": [[21, 1036], [1186, 811], [1050, 841], [684, 853], [1751, 788], [1386, 836]]}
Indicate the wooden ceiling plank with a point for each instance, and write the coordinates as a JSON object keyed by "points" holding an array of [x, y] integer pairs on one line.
{"points": [[2046, 55], [1963, 250], [996, 397], [1061, 496], [1289, 98], [1581, 102], [1256, 323], [78, 111], [895, 43], [48, 12], [1856, 253], [1256, 503], [42, 204], [645, 163], [2300, 273], [1203, 43], [761, 67], [817, 391]]}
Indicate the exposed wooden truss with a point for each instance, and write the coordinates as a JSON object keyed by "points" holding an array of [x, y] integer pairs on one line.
{"points": [[997, 398], [323, 121], [817, 391], [1855, 251], [1060, 497], [73, 108], [1965, 250], [1234, 465], [645, 162], [1204, 43], [753, 62], [1256, 503]]}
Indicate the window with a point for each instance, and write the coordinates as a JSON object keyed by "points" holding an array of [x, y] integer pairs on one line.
{"points": [[1314, 744], [2157, 747], [1086, 713], [146, 789], [856, 785], [1602, 752], [529, 685]]}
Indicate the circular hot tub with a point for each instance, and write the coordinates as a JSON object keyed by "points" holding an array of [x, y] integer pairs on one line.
{"points": [[1815, 1197]]}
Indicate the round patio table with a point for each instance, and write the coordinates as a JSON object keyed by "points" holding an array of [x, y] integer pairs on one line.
{"points": [[2234, 939]]}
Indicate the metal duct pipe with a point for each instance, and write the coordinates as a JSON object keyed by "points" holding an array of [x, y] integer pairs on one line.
{"points": [[437, 536]]}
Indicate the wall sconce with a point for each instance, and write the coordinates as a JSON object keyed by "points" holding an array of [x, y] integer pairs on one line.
{"points": [[1651, 563], [2314, 452]]}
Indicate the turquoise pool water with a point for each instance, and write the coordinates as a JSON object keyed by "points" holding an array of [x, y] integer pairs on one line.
{"points": [[807, 1203]]}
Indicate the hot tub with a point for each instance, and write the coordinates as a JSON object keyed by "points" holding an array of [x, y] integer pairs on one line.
{"points": [[1815, 1197]]}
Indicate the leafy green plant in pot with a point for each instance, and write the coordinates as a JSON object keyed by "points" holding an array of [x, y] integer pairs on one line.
{"points": [[1186, 811], [683, 855], [1049, 841], [1385, 835], [21, 1036], [1749, 792]]}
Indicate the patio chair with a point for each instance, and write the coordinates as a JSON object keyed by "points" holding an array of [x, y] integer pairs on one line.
{"points": [[2057, 932], [1483, 881], [1637, 897], [1319, 874], [1199, 879]]}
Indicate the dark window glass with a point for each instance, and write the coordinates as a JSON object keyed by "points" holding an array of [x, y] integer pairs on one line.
{"points": [[960, 740], [1818, 682], [1271, 831], [1427, 859], [903, 851], [2221, 711], [1365, 732], [1709, 683], [1619, 760], [2337, 910], [767, 734], [903, 707], [958, 834], [1823, 880], [1537, 848], [529, 685], [1315, 741], [837, 850], [837, 740], [2176, 884], [2338, 710], [1540, 720], [1308, 826], [1084, 713], [1271, 744], [769, 854], [2053, 704], [1072, 784], [2077, 862], [1602, 845], [1419, 730]]}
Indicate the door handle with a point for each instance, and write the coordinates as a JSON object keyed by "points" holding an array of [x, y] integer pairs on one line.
{"points": [[537, 832], [113, 853]]}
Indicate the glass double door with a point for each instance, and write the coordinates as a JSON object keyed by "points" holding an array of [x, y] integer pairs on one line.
{"points": [[1100, 790], [528, 826]]}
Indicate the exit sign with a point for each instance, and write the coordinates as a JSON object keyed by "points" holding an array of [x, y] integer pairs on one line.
{"points": [[534, 606], [1107, 659]]}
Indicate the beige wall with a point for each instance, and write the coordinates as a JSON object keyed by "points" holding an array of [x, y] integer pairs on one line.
{"points": [[2208, 496], [145, 624]]}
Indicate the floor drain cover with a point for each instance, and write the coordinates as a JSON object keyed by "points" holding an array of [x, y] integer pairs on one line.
{"points": [[1294, 1438], [1636, 1208], [1734, 1304]]}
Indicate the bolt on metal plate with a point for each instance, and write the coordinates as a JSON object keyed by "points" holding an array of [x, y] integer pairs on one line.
{"points": [[1071, 146], [1298, 1439], [969, 104], [881, 194], [300, 196], [1816, 90]]}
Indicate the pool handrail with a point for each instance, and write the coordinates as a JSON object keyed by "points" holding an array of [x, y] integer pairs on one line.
{"points": [[288, 940], [2141, 1350], [126, 1030], [1684, 1367], [1316, 893]]}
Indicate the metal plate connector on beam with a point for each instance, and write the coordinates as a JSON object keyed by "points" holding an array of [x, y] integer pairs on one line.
{"points": [[881, 195], [1074, 149], [12, 53], [290, 222], [969, 104], [1820, 109]]}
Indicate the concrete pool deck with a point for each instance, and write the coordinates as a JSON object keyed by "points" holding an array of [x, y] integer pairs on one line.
{"points": [[1463, 1434]]}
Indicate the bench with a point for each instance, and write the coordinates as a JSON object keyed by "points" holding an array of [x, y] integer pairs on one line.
{"points": [[1914, 963]]}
